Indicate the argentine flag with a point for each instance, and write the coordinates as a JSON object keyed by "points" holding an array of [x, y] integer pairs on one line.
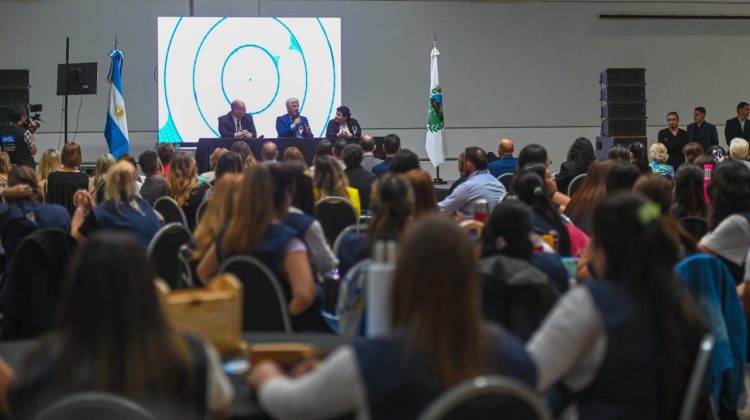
{"points": [[116, 129]]}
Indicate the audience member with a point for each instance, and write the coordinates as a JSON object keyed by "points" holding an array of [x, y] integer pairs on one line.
{"points": [[69, 173], [368, 147], [103, 164], [717, 153], [338, 150], [592, 192], [242, 149], [674, 139], [692, 151], [218, 212], [256, 229], [619, 154], [622, 177], [208, 177], [165, 152], [738, 149], [505, 163], [659, 158], [433, 346], [49, 162], [638, 315], [425, 201], [688, 193], [127, 157], [462, 175], [329, 181], [324, 148], [103, 343], [154, 186], [5, 168], [183, 186], [533, 153], [391, 145], [302, 197], [230, 163], [403, 161], [639, 157], [358, 177], [121, 209], [729, 236], [580, 156], [294, 154], [269, 152], [479, 185]]}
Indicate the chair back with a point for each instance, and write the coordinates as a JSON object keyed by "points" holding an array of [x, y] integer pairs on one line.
{"points": [[334, 214], [697, 226], [188, 267], [506, 179], [201, 209], [265, 305], [99, 192], [697, 376], [485, 397], [62, 194], [163, 253], [575, 184], [474, 229], [214, 312], [33, 284], [357, 228], [170, 211], [95, 406]]}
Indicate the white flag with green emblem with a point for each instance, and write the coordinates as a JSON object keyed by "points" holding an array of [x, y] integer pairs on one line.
{"points": [[434, 143]]}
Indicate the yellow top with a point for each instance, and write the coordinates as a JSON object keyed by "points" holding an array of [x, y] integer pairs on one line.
{"points": [[353, 198]]}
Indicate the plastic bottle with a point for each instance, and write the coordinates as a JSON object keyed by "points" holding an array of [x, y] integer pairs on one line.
{"points": [[707, 169], [379, 283]]}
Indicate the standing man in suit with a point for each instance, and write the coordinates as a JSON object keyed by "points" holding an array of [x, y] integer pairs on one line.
{"points": [[674, 138], [292, 124], [701, 131], [738, 126], [237, 123]]}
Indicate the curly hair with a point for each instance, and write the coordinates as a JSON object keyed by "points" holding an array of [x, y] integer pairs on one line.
{"points": [[658, 153], [183, 177], [582, 153]]}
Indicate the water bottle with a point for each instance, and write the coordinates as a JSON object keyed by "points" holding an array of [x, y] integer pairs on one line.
{"points": [[378, 290], [707, 168]]}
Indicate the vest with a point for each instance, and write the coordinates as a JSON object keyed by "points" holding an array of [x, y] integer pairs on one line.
{"points": [[626, 385], [396, 388], [300, 223], [12, 141], [124, 217]]}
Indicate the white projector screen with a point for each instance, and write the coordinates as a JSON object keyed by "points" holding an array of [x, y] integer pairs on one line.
{"points": [[205, 63]]}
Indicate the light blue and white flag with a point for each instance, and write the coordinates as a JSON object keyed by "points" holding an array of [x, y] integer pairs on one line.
{"points": [[116, 129]]}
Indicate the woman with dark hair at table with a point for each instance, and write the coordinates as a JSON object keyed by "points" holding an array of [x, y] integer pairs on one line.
{"points": [[104, 343], [343, 125], [437, 340]]}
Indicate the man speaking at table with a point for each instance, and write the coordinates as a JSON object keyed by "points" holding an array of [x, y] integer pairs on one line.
{"points": [[292, 124], [237, 123]]}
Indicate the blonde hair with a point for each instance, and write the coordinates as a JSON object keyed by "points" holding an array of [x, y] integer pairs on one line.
{"points": [[120, 186], [250, 160], [215, 156], [330, 178], [50, 162], [103, 164], [5, 166], [218, 212], [738, 149], [658, 153], [183, 177]]}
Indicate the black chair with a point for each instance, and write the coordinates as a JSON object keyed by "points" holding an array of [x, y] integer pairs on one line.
{"points": [[199, 212], [364, 197], [95, 406], [575, 184], [264, 306], [170, 211], [163, 253], [700, 367], [99, 192], [487, 397], [334, 214], [33, 284], [62, 194], [697, 226], [188, 267], [506, 179], [358, 228]]}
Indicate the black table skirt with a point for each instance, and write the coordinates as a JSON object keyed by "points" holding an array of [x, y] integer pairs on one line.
{"points": [[306, 145], [244, 405]]}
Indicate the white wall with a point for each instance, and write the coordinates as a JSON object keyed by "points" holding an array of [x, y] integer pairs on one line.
{"points": [[525, 70]]}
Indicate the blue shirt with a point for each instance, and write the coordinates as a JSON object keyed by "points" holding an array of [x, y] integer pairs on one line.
{"points": [[662, 169], [504, 165], [480, 184], [382, 167]]}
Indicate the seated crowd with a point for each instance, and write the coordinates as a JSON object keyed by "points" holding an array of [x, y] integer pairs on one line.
{"points": [[565, 282]]}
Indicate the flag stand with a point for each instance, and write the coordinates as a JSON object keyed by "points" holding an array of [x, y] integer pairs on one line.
{"points": [[437, 180]]}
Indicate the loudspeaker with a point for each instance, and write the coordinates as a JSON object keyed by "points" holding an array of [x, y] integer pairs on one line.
{"points": [[623, 93], [14, 79], [623, 128], [623, 77], [624, 110], [623, 98]]}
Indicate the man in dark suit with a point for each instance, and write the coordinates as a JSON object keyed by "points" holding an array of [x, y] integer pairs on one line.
{"points": [[674, 138], [738, 126], [701, 131], [237, 123], [292, 124]]}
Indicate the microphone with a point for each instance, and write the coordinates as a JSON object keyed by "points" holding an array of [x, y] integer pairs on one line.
{"points": [[262, 136]]}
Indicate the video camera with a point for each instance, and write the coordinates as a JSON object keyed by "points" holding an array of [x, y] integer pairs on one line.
{"points": [[33, 121]]}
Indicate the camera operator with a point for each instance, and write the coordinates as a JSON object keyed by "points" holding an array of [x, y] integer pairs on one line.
{"points": [[17, 140]]}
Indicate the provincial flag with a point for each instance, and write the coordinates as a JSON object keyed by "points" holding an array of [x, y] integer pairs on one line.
{"points": [[435, 127]]}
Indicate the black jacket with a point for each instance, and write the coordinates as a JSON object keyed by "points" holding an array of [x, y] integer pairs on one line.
{"points": [[732, 129], [332, 131]]}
